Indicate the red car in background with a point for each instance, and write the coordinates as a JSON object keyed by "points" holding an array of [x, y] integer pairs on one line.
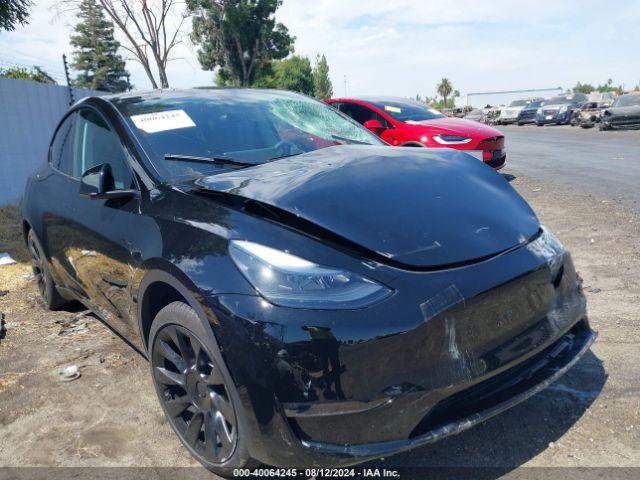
{"points": [[406, 123]]}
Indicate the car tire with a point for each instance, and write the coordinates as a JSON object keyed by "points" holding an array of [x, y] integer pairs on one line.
{"points": [[539, 124], [520, 124], [44, 281], [196, 392]]}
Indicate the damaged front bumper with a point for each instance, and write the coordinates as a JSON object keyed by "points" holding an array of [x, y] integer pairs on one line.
{"points": [[482, 401], [621, 122], [448, 350]]}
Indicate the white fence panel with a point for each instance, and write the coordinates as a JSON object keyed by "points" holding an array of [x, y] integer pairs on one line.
{"points": [[29, 112]]}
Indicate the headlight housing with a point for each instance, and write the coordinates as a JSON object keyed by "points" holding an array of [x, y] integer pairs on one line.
{"points": [[563, 109], [547, 247], [539, 111], [451, 139], [289, 281]]}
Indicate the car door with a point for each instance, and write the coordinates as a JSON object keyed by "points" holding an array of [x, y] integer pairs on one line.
{"points": [[98, 246], [54, 212]]}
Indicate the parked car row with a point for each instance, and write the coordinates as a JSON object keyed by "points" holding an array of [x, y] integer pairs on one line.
{"points": [[559, 110], [511, 113], [575, 109]]}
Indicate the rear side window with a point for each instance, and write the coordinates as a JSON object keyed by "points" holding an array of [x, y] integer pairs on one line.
{"points": [[95, 144], [60, 153]]}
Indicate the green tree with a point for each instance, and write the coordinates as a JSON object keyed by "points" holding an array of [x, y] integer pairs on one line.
{"points": [[95, 54], [609, 87], [444, 89], [456, 94], [150, 30], [239, 36], [294, 74], [223, 79], [322, 86], [584, 88], [13, 12], [36, 74], [263, 77]]}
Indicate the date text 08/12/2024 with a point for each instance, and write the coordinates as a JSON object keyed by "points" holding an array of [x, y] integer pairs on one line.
{"points": [[317, 473]]}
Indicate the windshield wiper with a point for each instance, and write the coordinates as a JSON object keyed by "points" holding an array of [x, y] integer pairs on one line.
{"points": [[348, 140], [219, 159]]}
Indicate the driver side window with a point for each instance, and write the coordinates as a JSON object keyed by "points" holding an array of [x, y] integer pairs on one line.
{"points": [[94, 144], [361, 113]]}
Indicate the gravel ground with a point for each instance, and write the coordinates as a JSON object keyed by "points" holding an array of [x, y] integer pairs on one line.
{"points": [[586, 160], [109, 416]]}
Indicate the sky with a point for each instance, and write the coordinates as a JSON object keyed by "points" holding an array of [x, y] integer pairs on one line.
{"points": [[404, 47]]}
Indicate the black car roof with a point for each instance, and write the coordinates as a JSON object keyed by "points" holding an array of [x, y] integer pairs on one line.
{"points": [[203, 92], [193, 92], [119, 100]]}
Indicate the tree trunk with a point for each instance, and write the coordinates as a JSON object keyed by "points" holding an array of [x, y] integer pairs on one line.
{"points": [[163, 78], [162, 72], [149, 73]]}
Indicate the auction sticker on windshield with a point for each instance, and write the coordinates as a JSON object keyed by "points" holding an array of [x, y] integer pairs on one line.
{"points": [[162, 121]]}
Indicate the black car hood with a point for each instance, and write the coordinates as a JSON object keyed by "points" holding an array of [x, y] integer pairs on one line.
{"points": [[414, 206]]}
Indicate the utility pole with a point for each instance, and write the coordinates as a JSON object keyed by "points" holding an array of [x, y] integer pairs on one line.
{"points": [[66, 74]]}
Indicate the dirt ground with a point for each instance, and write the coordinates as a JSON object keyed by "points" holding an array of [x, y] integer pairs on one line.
{"points": [[109, 416]]}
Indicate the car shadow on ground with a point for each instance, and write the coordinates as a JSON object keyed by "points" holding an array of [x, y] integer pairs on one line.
{"points": [[508, 177], [503, 443]]}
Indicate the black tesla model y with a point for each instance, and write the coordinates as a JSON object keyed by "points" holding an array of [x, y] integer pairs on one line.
{"points": [[306, 295]]}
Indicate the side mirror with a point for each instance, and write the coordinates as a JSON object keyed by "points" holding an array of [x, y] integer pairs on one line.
{"points": [[98, 183], [374, 126]]}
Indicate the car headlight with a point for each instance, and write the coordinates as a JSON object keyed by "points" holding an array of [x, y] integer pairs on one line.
{"points": [[451, 139], [539, 111], [289, 281], [547, 247], [562, 109]]}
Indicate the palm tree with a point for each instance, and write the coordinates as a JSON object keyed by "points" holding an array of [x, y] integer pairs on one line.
{"points": [[445, 88]]}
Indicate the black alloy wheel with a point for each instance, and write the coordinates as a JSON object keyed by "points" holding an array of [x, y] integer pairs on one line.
{"points": [[41, 274], [193, 394], [37, 267]]}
